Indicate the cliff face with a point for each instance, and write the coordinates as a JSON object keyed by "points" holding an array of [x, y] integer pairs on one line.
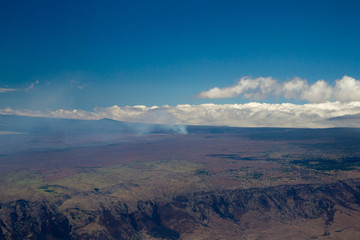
{"points": [[32, 220], [189, 215]]}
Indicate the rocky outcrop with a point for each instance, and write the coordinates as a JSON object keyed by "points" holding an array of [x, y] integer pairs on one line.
{"points": [[170, 219], [32, 220]]}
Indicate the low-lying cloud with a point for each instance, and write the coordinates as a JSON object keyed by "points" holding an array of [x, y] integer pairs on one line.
{"points": [[253, 114], [346, 89]]}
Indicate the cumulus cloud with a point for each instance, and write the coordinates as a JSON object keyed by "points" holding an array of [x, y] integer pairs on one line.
{"points": [[318, 92], [294, 88], [346, 89], [250, 88], [253, 114]]}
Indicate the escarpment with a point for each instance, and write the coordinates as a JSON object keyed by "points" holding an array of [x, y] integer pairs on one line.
{"points": [[196, 214]]}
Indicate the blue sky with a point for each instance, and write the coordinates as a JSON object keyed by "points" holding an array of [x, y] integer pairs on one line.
{"points": [[86, 54]]}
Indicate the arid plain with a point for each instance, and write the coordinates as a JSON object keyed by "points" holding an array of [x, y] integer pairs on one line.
{"points": [[112, 180]]}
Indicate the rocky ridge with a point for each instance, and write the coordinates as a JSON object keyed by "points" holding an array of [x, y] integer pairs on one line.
{"points": [[184, 215]]}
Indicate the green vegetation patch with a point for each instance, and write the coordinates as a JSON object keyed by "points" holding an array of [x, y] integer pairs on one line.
{"points": [[236, 157], [51, 188], [203, 172], [23, 178], [255, 175], [134, 177]]}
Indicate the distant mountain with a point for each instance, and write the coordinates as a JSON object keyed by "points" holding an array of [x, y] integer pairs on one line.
{"points": [[346, 117], [43, 125], [46, 126], [22, 133]]}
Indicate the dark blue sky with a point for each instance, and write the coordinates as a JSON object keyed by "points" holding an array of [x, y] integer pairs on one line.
{"points": [[101, 53]]}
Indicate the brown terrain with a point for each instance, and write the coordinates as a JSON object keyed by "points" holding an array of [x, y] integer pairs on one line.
{"points": [[73, 179]]}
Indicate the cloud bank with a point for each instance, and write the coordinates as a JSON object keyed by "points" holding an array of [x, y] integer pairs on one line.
{"points": [[253, 114], [346, 89]]}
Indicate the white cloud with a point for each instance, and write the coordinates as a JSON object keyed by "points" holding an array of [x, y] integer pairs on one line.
{"points": [[6, 90], [257, 88], [294, 88], [32, 85], [346, 89], [76, 84], [253, 114], [318, 92]]}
